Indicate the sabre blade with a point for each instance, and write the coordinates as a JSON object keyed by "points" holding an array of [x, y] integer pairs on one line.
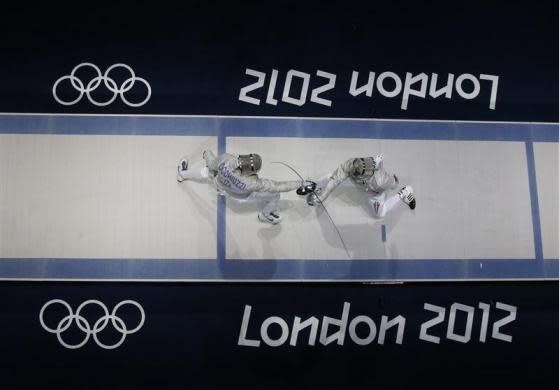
{"points": [[333, 224], [321, 203], [288, 166]]}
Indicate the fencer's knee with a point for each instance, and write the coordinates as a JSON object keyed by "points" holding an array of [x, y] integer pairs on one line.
{"points": [[378, 208]]}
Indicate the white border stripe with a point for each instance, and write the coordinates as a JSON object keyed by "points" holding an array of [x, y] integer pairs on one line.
{"points": [[279, 117]]}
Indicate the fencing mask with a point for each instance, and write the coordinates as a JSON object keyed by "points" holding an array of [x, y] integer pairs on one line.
{"points": [[249, 164], [363, 167]]}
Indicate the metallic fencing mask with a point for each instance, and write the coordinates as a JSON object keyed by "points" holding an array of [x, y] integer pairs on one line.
{"points": [[363, 167], [249, 164]]}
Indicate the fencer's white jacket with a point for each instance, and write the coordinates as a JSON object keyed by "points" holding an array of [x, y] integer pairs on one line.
{"points": [[228, 178], [379, 182]]}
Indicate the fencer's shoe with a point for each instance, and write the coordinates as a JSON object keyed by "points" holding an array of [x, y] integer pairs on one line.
{"points": [[407, 196], [182, 168], [272, 218]]}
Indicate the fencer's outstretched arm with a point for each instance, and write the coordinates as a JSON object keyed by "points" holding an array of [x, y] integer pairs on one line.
{"points": [[225, 167], [336, 178], [255, 184]]}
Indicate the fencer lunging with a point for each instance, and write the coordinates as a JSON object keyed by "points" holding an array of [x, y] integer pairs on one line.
{"points": [[236, 176], [367, 173]]}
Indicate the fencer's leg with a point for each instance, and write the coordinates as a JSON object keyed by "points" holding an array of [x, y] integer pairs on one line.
{"points": [[272, 201], [198, 172], [199, 175], [269, 212], [383, 208], [382, 204]]}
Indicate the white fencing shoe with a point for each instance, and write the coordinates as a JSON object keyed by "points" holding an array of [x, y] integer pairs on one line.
{"points": [[407, 196], [272, 218], [182, 167]]}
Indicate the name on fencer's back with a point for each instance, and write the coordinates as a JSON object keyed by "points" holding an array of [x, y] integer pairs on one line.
{"points": [[230, 178]]}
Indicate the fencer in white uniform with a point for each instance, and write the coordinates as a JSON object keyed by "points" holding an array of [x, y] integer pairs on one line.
{"points": [[236, 176], [367, 173]]}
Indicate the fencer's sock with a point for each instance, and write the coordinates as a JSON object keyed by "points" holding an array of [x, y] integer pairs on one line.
{"points": [[407, 196], [183, 167], [269, 218]]}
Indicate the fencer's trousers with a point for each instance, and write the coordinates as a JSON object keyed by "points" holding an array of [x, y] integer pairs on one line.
{"points": [[379, 202]]}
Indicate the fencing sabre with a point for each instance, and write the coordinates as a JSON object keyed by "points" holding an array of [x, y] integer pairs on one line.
{"points": [[310, 189]]}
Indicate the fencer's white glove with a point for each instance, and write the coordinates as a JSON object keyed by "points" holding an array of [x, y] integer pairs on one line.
{"points": [[312, 199], [307, 187], [309, 184]]}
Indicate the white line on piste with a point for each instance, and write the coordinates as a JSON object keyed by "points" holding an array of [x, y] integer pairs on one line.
{"points": [[278, 117], [288, 281]]}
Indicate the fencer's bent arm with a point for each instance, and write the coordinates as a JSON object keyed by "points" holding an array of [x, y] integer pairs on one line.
{"points": [[255, 184], [211, 160], [336, 178], [382, 181]]}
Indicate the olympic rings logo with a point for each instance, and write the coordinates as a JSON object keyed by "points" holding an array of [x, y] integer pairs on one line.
{"points": [[86, 327], [109, 83]]}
